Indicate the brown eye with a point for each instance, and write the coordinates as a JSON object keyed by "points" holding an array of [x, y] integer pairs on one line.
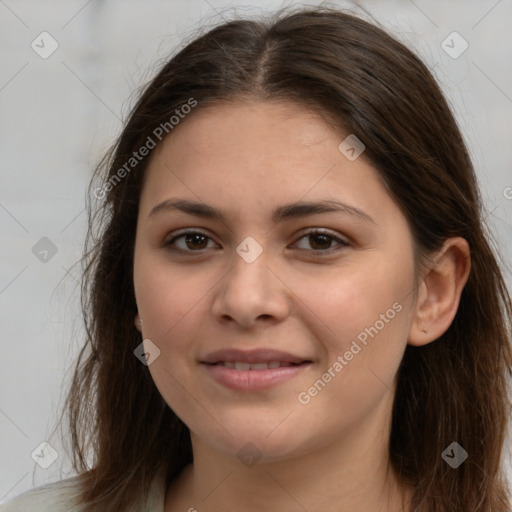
{"points": [[190, 241], [320, 241], [196, 241]]}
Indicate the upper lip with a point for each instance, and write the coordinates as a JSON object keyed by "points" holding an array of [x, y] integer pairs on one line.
{"points": [[261, 355]]}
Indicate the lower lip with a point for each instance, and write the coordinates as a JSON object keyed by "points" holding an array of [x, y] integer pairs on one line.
{"points": [[253, 380]]}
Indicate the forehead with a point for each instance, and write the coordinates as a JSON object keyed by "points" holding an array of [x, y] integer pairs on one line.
{"points": [[256, 156], [271, 140]]}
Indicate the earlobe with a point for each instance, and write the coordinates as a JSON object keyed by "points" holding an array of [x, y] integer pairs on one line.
{"points": [[440, 291], [138, 322]]}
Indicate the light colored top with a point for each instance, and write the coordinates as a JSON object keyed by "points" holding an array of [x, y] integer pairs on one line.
{"points": [[60, 497]]}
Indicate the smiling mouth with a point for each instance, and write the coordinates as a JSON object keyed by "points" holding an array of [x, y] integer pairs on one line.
{"points": [[244, 366], [254, 376], [253, 370]]}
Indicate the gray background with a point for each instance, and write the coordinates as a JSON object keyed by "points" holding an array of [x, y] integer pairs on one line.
{"points": [[59, 114]]}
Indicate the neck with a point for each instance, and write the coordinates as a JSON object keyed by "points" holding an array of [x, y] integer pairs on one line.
{"points": [[350, 474]]}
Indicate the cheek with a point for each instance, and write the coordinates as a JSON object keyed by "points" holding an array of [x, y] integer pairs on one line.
{"points": [[368, 317], [356, 298], [366, 309], [166, 300], [170, 304]]}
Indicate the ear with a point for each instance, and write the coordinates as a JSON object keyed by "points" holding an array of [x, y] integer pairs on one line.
{"points": [[439, 292], [138, 322]]}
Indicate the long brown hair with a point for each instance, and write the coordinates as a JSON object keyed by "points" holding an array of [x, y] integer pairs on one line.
{"points": [[454, 389]]}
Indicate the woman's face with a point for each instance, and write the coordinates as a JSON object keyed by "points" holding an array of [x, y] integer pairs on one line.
{"points": [[268, 333]]}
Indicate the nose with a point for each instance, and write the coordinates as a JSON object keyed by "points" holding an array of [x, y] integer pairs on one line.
{"points": [[251, 294]]}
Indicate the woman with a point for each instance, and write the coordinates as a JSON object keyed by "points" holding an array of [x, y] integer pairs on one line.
{"points": [[290, 299]]}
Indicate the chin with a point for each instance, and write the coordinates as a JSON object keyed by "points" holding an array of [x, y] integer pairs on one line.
{"points": [[257, 442]]}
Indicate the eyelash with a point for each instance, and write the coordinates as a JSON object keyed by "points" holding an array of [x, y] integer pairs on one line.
{"points": [[312, 232]]}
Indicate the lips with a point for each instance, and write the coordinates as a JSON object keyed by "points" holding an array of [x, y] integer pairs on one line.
{"points": [[253, 357], [243, 366], [253, 370]]}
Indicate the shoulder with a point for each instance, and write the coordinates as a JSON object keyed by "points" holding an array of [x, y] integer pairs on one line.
{"points": [[62, 497], [56, 497]]}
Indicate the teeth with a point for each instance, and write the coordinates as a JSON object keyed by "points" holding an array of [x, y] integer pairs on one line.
{"points": [[254, 366], [259, 366]]}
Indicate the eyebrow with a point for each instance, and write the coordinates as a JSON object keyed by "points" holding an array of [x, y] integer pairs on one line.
{"points": [[285, 212]]}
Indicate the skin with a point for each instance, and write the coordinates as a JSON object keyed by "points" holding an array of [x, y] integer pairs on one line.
{"points": [[247, 158]]}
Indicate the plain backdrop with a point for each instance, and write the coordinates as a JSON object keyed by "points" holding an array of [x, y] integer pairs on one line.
{"points": [[60, 112]]}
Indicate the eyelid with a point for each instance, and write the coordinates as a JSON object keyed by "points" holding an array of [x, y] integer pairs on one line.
{"points": [[302, 234], [185, 231], [323, 231]]}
